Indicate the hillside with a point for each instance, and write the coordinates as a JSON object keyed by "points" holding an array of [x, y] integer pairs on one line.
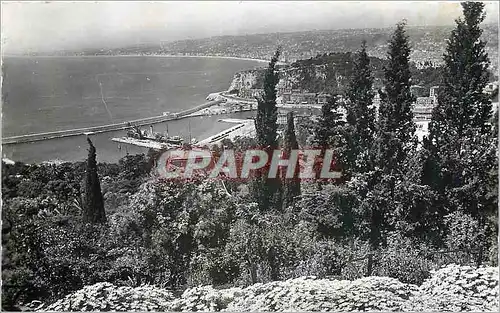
{"points": [[428, 44], [326, 73]]}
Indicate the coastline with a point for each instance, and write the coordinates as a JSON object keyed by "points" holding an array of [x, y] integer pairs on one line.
{"points": [[218, 57], [107, 128], [143, 55], [194, 112]]}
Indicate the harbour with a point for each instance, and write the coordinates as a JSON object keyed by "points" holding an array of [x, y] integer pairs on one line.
{"points": [[75, 109], [107, 128]]}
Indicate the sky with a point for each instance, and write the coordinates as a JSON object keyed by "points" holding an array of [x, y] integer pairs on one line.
{"points": [[49, 26]]}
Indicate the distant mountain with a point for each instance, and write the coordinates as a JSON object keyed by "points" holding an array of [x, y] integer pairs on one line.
{"points": [[428, 44]]}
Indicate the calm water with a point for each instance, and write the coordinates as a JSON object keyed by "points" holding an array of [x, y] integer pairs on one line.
{"points": [[56, 93]]}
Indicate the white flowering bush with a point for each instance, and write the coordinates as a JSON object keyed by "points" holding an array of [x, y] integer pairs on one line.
{"points": [[107, 297], [451, 288], [458, 288], [311, 294]]}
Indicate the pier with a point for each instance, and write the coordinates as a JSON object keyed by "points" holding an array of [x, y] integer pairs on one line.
{"points": [[107, 128], [145, 143], [243, 128]]}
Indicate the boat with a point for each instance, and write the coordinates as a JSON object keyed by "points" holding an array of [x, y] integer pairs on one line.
{"points": [[136, 133]]}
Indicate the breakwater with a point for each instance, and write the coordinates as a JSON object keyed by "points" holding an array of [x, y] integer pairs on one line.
{"points": [[108, 127]]}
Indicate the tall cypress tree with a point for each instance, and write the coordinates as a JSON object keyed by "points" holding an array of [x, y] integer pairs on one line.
{"points": [[396, 127], [462, 105], [266, 124], [393, 141], [462, 144], [291, 186], [267, 191], [93, 211], [361, 113], [463, 113]]}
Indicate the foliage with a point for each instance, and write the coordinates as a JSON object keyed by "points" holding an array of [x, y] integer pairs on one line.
{"points": [[332, 73], [462, 103], [461, 151], [395, 122], [305, 132], [331, 211], [44, 236], [182, 225], [266, 121], [329, 124], [420, 206], [267, 247], [267, 191], [291, 186], [361, 114], [93, 203], [465, 237], [405, 260]]}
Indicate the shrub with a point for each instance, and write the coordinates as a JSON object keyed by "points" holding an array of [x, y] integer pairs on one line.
{"points": [[464, 238], [331, 211], [404, 260]]}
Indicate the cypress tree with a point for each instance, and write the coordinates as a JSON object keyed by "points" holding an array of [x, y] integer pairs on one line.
{"points": [[395, 129], [461, 163], [463, 113], [360, 113], [328, 124], [462, 105], [93, 211], [395, 124], [266, 125], [330, 134], [267, 191], [291, 186]]}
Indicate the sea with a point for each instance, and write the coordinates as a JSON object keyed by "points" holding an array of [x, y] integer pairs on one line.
{"points": [[43, 94]]}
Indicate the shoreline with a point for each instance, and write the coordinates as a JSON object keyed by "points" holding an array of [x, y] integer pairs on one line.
{"points": [[198, 111], [13, 140], [143, 55]]}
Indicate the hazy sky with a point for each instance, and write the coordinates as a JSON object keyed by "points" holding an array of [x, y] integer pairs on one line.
{"points": [[43, 26]]}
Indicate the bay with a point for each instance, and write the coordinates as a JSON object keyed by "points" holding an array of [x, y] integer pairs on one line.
{"points": [[56, 93]]}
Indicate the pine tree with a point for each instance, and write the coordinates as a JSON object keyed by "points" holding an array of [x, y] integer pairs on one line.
{"points": [[93, 211], [267, 191], [360, 113], [462, 145], [291, 186], [396, 127]]}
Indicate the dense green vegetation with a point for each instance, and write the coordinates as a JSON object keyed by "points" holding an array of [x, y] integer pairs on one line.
{"points": [[337, 68], [332, 72], [267, 191], [400, 210]]}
